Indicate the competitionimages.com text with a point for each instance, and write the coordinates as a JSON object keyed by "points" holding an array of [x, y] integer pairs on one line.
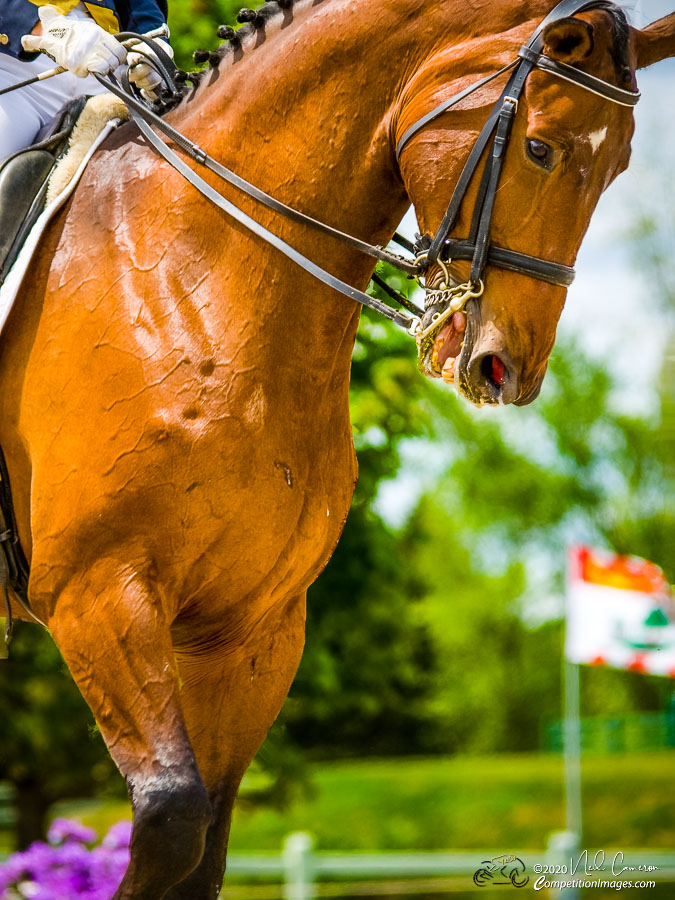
{"points": [[542, 883]]}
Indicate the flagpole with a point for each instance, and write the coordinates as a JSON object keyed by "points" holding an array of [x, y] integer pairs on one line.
{"points": [[572, 756], [572, 743]]}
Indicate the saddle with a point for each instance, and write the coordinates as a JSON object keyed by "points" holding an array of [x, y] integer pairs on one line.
{"points": [[24, 178]]}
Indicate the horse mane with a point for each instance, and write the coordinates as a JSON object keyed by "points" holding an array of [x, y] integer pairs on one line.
{"points": [[251, 20]]}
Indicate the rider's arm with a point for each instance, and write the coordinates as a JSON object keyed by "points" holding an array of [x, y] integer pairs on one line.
{"points": [[145, 16], [80, 39], [113, 15], [20, 17]]}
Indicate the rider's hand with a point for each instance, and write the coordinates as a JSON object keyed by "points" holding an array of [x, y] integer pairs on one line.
{"points": [[79, 45], [141, 72]]}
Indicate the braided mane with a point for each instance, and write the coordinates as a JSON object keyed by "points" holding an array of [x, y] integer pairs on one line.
{"points": [[250, 20]]}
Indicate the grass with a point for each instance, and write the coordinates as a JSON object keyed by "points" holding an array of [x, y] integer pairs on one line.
{"points": [[505, 801]]}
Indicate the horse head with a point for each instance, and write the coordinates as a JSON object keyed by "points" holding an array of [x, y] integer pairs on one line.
{"points": [[567, 144]]}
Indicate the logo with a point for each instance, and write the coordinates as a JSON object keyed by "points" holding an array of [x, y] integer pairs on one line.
{"points": [[504, 869]]}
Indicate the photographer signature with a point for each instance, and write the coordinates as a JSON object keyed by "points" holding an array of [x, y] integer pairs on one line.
{"points": [[597, 864]]}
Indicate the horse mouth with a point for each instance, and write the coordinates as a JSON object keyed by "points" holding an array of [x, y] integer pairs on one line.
{"points": [[439, 354]]}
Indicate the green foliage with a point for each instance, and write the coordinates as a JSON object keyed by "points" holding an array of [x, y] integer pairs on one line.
{"points": [[387, 400], [50, 747], [490, 543], [193, 25], [463, 802], [495, 676]]}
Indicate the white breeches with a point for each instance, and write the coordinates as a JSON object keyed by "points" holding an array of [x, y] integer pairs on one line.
{"points": [[26, 111]]}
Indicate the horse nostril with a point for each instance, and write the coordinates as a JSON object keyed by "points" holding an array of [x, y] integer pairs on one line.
{"points": [[492, 378], [493, 370]]}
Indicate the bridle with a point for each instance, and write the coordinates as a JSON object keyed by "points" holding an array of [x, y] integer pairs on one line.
{"points": [[440, 250]]}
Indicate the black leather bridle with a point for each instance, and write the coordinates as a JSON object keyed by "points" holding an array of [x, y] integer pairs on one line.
{"points": [[442, 248]]}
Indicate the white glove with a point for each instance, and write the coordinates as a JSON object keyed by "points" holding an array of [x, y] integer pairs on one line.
{"points": [[79, 45], [141, 72]]}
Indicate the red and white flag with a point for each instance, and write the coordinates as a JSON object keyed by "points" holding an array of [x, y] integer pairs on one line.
{"points": [[620, 613]]}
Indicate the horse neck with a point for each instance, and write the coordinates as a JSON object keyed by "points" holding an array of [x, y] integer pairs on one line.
{"points": [[305, 114], [306, 110]]}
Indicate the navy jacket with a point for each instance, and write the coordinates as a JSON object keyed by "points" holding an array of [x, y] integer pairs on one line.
{"points": [[19, 17]]}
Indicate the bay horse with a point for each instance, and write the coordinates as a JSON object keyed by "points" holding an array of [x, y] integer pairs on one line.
{"points": [[175, 393]]}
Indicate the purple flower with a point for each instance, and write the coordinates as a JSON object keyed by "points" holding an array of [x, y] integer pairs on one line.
{"points": [[63, 831], [118, 837], [65, 868]]}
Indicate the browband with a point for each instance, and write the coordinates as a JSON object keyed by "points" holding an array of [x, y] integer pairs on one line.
{"points": [[582, 79]]}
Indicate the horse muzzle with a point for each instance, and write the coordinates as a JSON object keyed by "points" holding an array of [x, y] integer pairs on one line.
{"points": [[469, 354]]}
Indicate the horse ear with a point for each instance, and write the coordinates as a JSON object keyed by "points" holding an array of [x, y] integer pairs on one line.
{"points": [[568, 40], [655, 42]]}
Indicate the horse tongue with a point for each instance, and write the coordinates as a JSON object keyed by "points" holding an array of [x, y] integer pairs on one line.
{"points": [[450, 338]]}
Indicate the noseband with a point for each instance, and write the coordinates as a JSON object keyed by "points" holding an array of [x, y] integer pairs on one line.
{"points": [[440, 250]]}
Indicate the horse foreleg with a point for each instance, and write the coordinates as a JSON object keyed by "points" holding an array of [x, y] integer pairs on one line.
{"points": [[231, 695], [114, 637]]}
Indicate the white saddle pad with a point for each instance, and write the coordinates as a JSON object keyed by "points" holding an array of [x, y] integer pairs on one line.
{"points": [[16, 274]]}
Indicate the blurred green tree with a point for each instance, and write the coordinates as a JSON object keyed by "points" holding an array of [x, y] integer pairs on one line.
{"points": [[50, 748], [193, 25], [490, 540]]}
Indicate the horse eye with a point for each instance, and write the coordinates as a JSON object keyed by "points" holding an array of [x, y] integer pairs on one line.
{"points": [[540, 152]]}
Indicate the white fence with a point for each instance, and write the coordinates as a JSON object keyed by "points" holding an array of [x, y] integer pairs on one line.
{"points": [[300, 867]]}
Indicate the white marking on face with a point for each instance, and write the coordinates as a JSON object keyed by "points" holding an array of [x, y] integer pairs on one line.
{"points": [[597, 138]]}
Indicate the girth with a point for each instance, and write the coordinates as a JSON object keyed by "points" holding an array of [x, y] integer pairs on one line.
{"points": [[14, 570]]}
